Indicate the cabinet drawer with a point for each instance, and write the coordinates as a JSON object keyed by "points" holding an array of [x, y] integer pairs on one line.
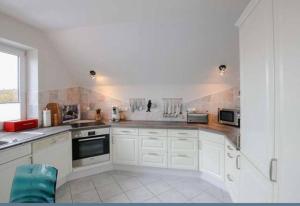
{"points": [[182, 133], [125, 131], [153, 159], [181, 143], [15, 153], [183, 160], [153, 132], [212, 137], [45, 143], [157, 143]]}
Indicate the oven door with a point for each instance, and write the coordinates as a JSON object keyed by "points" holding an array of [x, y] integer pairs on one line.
{"points": [[89, 147]]}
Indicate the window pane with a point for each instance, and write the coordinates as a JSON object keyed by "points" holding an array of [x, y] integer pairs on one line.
{"points": [[9, 78], [10, 112]]}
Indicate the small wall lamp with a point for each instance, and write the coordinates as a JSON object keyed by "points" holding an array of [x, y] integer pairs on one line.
{"points": [[222, 69], [93, 74]]}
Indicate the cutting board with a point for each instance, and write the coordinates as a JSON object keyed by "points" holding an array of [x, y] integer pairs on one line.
{"points": [[55, 113]]}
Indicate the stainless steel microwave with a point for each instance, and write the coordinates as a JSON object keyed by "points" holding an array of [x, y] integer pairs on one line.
{"points": [[229, 117]]}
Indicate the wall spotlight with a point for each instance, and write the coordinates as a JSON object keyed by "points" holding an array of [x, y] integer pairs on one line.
{"points": [[93, 74], [222, 69]]}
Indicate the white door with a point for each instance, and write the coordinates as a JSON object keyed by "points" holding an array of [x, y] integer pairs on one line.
{"points": [[257, 86], [55, 151], [254, 187], [211, 158], [7, 172], [125, 149], [287, 35]]}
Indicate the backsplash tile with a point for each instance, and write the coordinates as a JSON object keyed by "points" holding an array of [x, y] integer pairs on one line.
{"points": [[90, 100]]}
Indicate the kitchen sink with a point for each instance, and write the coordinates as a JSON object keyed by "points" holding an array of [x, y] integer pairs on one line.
{"points": [[3, 143]]}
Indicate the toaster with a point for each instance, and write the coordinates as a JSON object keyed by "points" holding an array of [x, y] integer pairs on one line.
{"points": [[197, 118]]}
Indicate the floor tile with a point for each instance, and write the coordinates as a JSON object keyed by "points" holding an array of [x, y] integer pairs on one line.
{"points": [[86, 197], [130, 184], [172, 196], [152, 200], [158, 187], [109, 190], [81, 185], [139, 195], [226, 198], [63, 190], [188, 189], [148, 179], [102, 179], [205, 198], [172, 179], [122, 198]]}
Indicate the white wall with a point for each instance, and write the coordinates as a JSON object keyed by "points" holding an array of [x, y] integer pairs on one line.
{"points": [[52, 71]]}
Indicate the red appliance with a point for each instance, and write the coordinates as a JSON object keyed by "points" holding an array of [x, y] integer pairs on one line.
{"points": [[14, 126]]}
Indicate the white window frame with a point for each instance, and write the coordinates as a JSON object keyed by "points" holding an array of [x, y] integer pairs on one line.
{"points": [[22, 76]]}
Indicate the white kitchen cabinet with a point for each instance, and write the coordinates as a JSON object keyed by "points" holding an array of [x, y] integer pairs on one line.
{"points": [[211, 158], [232, 170], [253, 186], [183, 149], [153, 143], [10, 160], [55, 151], [287, 39], [257, 85], [125, 149]]}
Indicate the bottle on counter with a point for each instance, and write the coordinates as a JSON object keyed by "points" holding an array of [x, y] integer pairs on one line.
{"points": [[47, 118]]}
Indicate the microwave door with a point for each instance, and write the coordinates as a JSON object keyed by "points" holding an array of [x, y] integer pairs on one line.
{"points": [[227, 116]]}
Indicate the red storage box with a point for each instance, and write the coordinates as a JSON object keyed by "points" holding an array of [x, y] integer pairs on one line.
{"points": [[14, 126]]}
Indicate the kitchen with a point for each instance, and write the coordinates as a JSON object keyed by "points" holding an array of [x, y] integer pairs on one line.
{"points": [[152, 102]]}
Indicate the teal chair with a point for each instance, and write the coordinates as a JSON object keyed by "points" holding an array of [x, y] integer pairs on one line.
{"points": [[34, 184]]}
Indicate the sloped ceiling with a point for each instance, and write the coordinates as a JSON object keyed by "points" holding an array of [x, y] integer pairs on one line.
{"points": [[134, 42]]}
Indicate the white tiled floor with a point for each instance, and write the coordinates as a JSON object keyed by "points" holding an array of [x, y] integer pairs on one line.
{"points": [[126, 187]]}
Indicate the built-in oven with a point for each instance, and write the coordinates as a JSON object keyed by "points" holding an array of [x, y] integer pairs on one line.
{"points": [[90, 146], [229, 117]]}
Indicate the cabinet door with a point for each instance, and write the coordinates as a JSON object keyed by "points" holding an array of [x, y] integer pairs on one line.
{"points": [[254, 187], [257, 86], [287, 32], [153, 158], [211, 158], [55, 151], [125, 149], [8, 171]]}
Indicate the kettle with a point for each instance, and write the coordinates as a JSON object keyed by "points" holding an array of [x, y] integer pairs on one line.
{"points": [[115, 115]]}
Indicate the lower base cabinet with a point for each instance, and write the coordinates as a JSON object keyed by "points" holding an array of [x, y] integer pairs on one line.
{"points": [[125, 149], [254, 187], [7, 171], [211, 158], [55, 151]]}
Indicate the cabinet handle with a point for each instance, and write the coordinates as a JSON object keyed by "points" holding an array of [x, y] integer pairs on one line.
{"points": [[238, 142], [153, 138], [230, 156], [182, 139], [229, 147], [152, 132], [53, 142], [238, 166], [184, 156], [153, 154], [229, 178], [182, 133], [125, 132], [273, 170]]}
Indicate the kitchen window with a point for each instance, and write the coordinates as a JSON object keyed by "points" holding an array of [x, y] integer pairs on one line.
{"points": [[12, 84]]}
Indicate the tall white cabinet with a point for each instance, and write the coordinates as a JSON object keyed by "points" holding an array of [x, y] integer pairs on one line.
{"points": [[269, 63]]}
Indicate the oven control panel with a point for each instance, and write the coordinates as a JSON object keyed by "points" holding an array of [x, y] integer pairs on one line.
{"points": [[90, 133]]}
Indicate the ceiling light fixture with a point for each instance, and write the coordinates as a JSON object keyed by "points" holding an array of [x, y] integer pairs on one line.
{"points": [[93, 74], [222, 69]]}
